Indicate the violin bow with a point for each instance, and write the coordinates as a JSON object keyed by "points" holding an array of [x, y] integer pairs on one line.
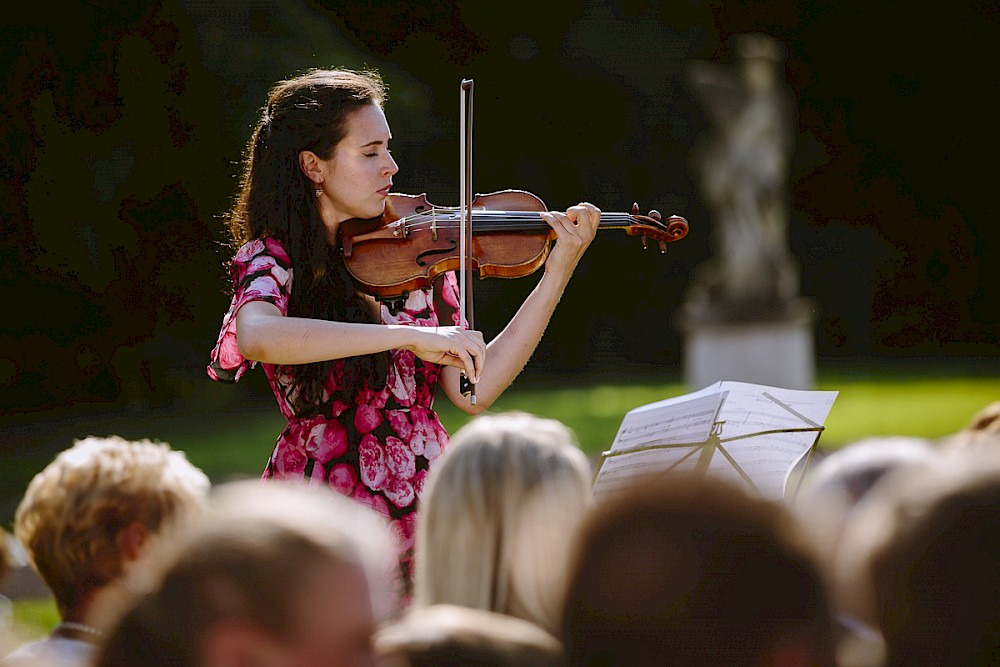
{"points": [[465, 308]]}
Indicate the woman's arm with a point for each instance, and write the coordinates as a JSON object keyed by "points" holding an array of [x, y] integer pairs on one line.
{"points": [[264, 334], [510, 350]]}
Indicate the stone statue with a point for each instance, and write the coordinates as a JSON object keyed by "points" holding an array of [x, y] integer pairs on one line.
{"points": [[743, 166]]}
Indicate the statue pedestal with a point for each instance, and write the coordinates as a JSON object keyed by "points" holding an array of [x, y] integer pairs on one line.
{"points": [[779, 353]]}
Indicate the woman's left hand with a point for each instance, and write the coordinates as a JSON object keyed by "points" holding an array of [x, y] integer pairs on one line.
{"points": [[575, 229]]}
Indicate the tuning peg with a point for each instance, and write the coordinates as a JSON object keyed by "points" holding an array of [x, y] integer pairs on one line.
{"points": [[655, 215], [663, 247], [635, 208], [643, 239]]}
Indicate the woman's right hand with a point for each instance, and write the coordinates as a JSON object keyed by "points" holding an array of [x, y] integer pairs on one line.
{"points": [[464, 349]]}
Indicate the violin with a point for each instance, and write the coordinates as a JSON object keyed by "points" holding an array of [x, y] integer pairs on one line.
{"points": [[498, 234], [414, 241]]}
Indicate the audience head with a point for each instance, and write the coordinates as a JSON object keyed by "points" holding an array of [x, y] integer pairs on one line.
{"points": [[982, 432], [274, 573], [95, 508], [498, 517], [843, 479], [6, 565], [454, 636], [6, 559], [694, 571], [919, 562]]}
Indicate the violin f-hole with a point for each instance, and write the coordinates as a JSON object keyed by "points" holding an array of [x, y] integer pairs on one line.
{"points": [[436, 251]]}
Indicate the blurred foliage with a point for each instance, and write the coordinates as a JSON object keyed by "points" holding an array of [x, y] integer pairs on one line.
{"points": [[125, 122]]}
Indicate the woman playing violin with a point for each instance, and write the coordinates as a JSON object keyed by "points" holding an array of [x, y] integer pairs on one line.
{"points": [[355, 378]]}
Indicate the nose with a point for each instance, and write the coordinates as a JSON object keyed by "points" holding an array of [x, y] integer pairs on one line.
{"points": [[391, 167]]}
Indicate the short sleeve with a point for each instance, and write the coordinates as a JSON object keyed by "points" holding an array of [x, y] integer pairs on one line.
{"points": [[261, 271]]}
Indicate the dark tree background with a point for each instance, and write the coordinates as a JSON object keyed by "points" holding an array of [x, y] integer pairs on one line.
{"points": [[124, 123]]}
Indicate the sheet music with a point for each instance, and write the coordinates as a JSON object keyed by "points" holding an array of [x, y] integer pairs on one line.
{"points": [[621, 472], [668, 422], [752, 408], [767, 461], [747, 412]]}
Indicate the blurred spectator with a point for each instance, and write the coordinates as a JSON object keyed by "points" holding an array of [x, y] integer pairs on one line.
{"points": [[86, 518], [5, 555], [6, 609], [828, 499], [498, 517], [275, 573], [841, 480], [454, 636], [919, 562], [695, 573], [982, 431]]}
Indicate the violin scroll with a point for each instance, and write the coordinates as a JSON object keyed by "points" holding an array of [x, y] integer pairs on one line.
{"points": [[652, 226]]}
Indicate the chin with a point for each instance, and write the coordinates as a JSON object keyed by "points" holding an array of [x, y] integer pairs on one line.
{"points": [[368, 213]]}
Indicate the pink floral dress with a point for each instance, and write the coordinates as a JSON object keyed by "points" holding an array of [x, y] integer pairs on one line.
{"points": [[375, 447]]}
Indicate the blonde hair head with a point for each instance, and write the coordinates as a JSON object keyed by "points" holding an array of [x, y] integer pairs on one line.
{"points": [[498, 517], [72, 513], [6, 560], [982, 433]]}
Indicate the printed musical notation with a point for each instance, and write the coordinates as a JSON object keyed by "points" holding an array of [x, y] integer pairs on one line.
{"points": [[668, 422], [756, 435]]}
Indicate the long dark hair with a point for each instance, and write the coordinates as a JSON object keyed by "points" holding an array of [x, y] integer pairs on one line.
{"points": [[276, 199]]}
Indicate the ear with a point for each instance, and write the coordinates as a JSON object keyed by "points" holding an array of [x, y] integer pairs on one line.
{"points": [[311, 166], [130, 540]]}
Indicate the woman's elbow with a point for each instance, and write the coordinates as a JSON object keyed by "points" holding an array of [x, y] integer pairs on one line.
{"points": [[250, 341], [251, 348]]}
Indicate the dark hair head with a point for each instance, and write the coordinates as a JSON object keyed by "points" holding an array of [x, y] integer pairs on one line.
{"points": [[306, 113], [276, 199], [444, 635], [250, 560], [229, 577], [692, 572]]}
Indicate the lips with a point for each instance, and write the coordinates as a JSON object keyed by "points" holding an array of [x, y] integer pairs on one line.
{"points": [[385, 191]]}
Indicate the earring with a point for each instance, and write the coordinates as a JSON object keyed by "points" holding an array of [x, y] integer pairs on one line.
{"points": [[319, 192]]}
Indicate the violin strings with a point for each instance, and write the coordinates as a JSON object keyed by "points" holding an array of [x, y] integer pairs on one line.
{"points": [[501, 220]]}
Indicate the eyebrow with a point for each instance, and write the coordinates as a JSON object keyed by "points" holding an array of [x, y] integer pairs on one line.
{"points": [[377, 142]]}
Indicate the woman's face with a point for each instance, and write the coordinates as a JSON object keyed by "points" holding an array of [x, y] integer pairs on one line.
{"points": [[358, 176]]}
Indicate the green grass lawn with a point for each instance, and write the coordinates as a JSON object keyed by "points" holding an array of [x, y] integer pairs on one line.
{"points": [[922, 406], [879, 401], [235, 440]]}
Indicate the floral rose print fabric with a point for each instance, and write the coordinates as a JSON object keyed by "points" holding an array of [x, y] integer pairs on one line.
{"points": [[375, 446]]}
